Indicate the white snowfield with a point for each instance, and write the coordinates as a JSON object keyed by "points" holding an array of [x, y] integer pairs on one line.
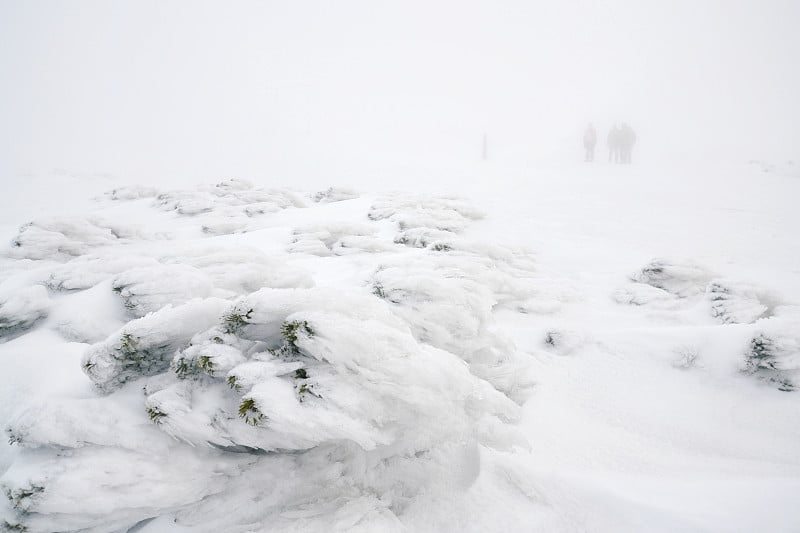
{"points": [[603, 349]]}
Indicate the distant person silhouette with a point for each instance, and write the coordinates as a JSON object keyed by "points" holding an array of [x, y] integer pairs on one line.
{"points": [[614, 144], [627, 138], [589, 142]]}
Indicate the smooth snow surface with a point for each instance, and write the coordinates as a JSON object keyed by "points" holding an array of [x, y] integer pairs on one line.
{"points": [[563, 348]]}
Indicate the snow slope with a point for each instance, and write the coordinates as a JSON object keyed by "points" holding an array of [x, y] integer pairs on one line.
{"points": [[560, 348]]}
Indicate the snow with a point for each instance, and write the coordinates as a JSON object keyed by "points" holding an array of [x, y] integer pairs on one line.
{"points": [[565, 348]]}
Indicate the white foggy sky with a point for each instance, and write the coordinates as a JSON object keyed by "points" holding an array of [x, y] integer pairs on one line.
{"points": [[291, 89]]}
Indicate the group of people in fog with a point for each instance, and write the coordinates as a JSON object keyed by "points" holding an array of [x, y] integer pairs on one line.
{"points": [[620, 141]]}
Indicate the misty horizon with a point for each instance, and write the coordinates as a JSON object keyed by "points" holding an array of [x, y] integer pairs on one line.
{"points": [[199, 89]]}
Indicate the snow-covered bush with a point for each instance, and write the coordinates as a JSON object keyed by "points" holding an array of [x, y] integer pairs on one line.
{"points": [[145, 346], [304, 396], [133, 192], [447, 300], [60, 238], [735, 303], [337, 239], [334, 194], [88, 270], [423, 211], [774, 358], [240, 270], [680, 279], [20, 309], [147, 289]]}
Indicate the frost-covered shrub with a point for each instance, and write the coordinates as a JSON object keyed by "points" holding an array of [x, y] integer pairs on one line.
{"points": [[774, 359], [148, 289], [311, 366], [60, 238], [735, 303], [425, 211], [685, 357], [88, 270], [425, 237], [334, 194], [241, 270], [230, 198], [562, 341], [20, 309], [133, 192], [680, 279], [336, 239], [447, 300], [145, 346]]}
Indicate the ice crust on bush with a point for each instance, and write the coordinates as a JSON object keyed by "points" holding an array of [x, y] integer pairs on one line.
{"points": [[60, 238], [145, 346], [280, 381], [773, 355], [337, 239]]}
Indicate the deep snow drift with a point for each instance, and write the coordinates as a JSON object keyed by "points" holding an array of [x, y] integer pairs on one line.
{"points": [[588, 348]]}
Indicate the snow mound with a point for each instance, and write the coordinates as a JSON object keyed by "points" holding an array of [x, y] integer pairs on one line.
{"points": [[240, 270], [20, 309], [422, 211], [147, 289], [334, 194], [447, 299], [229, 198], [337, 239], [679, 279], [60, 238], [133, 192], [88, 270]]}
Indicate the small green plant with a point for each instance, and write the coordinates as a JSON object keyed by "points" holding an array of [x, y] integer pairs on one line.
{"points": [[441, 247], [290, 331], [156, 415], [236, 320], [378, 290], [182, 368], [128, 344], [305, 389], [233, 383], [206, 364], [249, 412], [301, 373], [21, 499], [762, 360]]}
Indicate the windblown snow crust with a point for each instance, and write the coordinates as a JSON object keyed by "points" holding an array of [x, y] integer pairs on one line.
{"points": [[265, 360]]}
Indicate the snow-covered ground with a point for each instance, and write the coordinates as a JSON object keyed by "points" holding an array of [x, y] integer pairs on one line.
{"points": [[554, 348]]}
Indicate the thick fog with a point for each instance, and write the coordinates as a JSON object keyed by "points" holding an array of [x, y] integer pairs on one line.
{"points": [[148, 90]]}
